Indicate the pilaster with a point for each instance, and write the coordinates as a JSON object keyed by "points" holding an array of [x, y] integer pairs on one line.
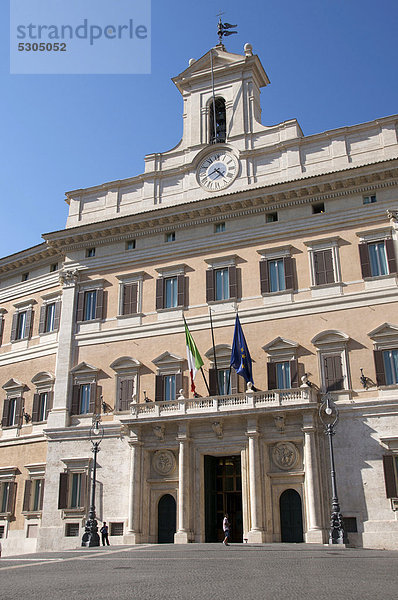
{"points": [[314, 533], [256, 533]]}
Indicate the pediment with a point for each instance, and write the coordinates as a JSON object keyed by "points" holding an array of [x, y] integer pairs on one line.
{"points": [[222, 351], [84, 368], [221, 58], [125, 363], [13, 385], [330, 337], [386, 330], [280, 343], [166, 359], [43, 377]]}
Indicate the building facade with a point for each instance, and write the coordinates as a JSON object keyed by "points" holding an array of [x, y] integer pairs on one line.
{"points": [[300, 235]]}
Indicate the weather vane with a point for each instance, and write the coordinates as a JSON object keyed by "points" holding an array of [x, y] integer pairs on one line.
{"points": [[223, 29]]}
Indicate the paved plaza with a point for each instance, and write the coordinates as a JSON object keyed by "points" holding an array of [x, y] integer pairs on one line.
{"points": [[202, 571]]}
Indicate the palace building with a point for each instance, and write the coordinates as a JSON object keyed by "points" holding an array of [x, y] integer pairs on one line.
{"points": [[297, 233]]}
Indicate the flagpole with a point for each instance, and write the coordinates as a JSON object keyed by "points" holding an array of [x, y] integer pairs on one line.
{"points": [[214, 353], [201, 368]]}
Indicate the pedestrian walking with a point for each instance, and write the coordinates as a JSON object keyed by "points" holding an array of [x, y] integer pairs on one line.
{"points": [[226, 525], [104, 534]]}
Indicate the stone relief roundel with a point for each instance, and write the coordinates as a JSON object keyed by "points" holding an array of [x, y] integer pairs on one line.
{"points": [[164, 462], [285, 455]]}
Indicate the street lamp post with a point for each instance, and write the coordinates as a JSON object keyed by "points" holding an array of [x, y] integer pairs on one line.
{"points": [[90, 536], [329, 415]]}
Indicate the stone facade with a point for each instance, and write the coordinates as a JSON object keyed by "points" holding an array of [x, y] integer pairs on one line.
{"points": [[300, 235]]}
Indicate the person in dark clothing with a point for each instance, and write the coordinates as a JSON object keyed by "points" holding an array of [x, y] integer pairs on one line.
{"points": [[104, 534]]}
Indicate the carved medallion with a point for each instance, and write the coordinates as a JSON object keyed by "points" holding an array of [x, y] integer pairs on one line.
{"points": [[164, 462], [285, 455]]}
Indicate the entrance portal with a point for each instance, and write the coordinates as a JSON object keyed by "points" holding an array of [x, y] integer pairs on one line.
{"points": [[223, 494], [167, 512], [291, 517]]}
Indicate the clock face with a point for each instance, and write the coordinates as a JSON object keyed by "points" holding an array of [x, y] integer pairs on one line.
{"points": [[217, 171]]}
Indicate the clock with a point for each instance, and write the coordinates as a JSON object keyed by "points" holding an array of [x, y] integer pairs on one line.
{"points": [[217, 171]]}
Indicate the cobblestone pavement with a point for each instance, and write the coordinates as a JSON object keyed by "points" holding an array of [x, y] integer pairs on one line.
{"points": [[202, 571]]}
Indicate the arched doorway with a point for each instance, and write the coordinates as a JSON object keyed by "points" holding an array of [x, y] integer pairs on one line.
{"points": [[167, 512], [291, 517]]}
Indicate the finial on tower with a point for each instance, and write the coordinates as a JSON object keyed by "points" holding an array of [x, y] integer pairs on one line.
{"points": [[223, 29]]}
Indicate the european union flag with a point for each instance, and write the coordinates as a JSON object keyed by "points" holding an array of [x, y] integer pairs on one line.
{"points": [[240, 357]]}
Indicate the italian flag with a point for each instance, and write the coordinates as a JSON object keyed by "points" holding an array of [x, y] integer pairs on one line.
{"points": [[194, 359]]}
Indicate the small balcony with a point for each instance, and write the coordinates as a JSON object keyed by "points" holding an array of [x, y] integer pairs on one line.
{"points": [[232, 404]]}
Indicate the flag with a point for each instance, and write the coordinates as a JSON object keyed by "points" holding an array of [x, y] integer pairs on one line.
{"points": [[240, 356], [195, 361]]}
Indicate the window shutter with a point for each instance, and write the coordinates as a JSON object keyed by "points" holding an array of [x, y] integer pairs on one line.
{"points": [[42, 321], [179, 385], [126, 392], [323, 267], [80, 306], [210, 285], [57, 315], [181, 281], [264, 277], [234, 381], [41, 494], [333, 373], [213, 382], [83, 489], [14, 327], [288, 266], [93, 398], [130, 297], [35, 409], [389, 476], [19, 412], [74, 409], [271, 372], [6, 407], [365, 260], [329, 270], [294, 373], [1, 329], [158, 388], [26, 496], [28, 324], [63, 490], [11, 496], [50, 400], [99, 304], [159, 293], [233, 285], [392, 263], [379, 366]]}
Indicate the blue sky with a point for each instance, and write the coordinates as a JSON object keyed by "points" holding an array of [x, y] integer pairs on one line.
{"points": [[331, 63]]}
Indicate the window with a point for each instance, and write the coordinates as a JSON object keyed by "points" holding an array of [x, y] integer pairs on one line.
{"points": [[221, 278], [12, 412], [72, 530], [169, 387], [369, 199], [276, 270], [271, 217], [333, 360], [90, 305], [130, 245], [390, 466], [1, 326], [170, 237], [323, 266], [221, 284], [170, 291], [25, 277], [7, 497], [377, 258], [86, 394], [386, 363], [127, 381], [49, 317], [282, 375], [325, 263], [21, 325], [42, 404], [333, 372], [219, 227], [72, 490], [169, 379], [22, 321], [224, 381], [217, 115], [90, 252], [53, 267], [33, 495], [318, 208], [81, 399], [116, 529], [129, 298]]}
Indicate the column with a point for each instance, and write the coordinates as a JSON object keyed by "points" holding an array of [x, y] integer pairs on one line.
{"points": [[315, 533], [59, 414], [136, 478], [256, 533], [183, 535]]}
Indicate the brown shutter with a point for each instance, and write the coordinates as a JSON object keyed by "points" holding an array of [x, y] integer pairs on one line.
{"points": [[28, 324], [6, 408], [26, 496], [210, 295], [288, 268], [323, 267], [12, 489], [99, 304], [264, 277], [294, 373], [389, 476], [80, 306], [233, 285], [19, 412], [83, 488], [158, 388], [179, 385], [365, 260], [181, 290], [1, 329], [50, 400], [379, 366], [392, 263], [213, 382], [57, 315], [234, 381], [14, 327], [41, 494], [130, 298], [74, 409], [42, 321], [93, 398], [63, 490], [271, 373], [333, 373], [159, 293], [329, 270], [126, 392], [35, 409]]}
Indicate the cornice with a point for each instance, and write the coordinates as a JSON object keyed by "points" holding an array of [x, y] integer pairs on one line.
{"points": [[20, 260], [31, 286]]}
